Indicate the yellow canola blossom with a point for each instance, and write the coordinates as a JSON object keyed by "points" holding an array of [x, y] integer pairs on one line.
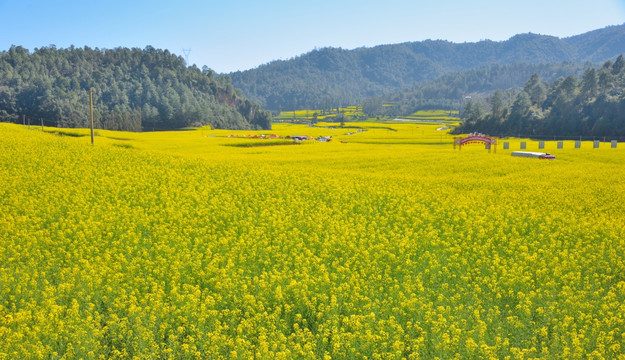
{"points": [[381, 244]]}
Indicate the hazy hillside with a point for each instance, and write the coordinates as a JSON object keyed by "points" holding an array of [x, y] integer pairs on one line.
{"points": [[599, 45], [134, 89], [345, 76], [449, 90]]}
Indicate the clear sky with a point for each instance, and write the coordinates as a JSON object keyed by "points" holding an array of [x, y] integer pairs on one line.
{"points": [[230, 35]]}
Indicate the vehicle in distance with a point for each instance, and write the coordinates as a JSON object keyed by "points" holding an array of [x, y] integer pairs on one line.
{"points": [[536, 155]]}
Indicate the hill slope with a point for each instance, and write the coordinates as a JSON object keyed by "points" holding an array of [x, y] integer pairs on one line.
{"points": [[134, 89], [567, 107], [342, 76], [448, 91]]}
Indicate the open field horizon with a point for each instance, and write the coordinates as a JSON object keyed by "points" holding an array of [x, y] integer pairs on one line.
{"points": [[385, 243]]}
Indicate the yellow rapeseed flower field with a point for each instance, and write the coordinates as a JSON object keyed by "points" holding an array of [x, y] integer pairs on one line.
{"points": [[381, 244]]}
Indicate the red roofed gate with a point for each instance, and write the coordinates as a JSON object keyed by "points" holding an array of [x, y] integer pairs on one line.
{"points": [[476, 138]]}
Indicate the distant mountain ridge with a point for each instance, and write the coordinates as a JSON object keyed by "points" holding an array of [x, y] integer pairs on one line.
{"points": [[599, 45], [337, 75]]}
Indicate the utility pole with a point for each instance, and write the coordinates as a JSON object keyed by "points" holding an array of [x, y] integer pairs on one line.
{"points": [[91, 111], [186, 55], [41, 124]]}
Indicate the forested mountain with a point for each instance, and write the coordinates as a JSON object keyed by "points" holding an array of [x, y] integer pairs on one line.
{"points": [[567, 107], [349, 76], [449, 91], [134, 89], [599, 45]]}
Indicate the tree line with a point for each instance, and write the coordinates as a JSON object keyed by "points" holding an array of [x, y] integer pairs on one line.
{"points": [[134, 89], [567, 107]]}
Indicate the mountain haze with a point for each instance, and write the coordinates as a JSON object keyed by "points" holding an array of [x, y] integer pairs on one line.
{"points": [[449, 90], [335, 75]]}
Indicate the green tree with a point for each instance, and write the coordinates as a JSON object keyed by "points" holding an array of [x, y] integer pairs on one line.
{"points": [[568, 87], [618, 65], [590, 84], [522, 104], [496, 101], [535, 89], [372, 107], [473, 111]]}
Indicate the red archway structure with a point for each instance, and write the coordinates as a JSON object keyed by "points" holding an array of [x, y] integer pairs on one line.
{"points": [[475, 138]]}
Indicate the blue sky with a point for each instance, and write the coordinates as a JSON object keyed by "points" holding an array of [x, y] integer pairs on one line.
{"points": [[232, 35]]}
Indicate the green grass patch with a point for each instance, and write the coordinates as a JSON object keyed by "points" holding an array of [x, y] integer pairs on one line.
{"points": [[66, 133]]}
